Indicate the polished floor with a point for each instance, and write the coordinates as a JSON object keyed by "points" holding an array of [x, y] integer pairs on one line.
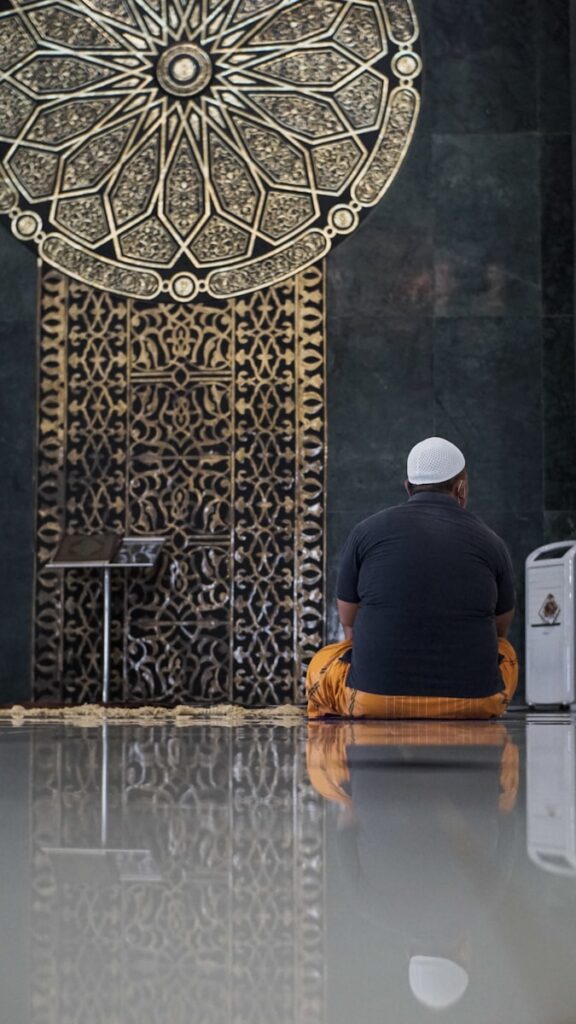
{"points": [[334, 873]]}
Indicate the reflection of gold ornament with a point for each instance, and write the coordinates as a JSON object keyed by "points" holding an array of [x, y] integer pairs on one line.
{"points": [[166, 145], [212, 831]]}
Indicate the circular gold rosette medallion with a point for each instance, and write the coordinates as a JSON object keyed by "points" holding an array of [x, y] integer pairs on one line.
{"points": [[181, 146]]}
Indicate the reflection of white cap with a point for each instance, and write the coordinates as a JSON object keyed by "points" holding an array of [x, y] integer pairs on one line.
{"points": [[436, 982], [434, 461]]}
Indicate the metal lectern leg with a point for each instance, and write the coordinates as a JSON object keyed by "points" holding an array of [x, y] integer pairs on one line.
{"points": [[106, 640]]}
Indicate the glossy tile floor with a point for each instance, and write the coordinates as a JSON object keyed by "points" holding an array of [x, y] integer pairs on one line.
{"points": [[337, 873]]}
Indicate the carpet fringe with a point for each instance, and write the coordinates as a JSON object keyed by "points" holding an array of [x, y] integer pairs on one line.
{"points": [[183, 714]]}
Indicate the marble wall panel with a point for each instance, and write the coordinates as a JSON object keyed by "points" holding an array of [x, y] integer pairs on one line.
{"points": [[481, 405], [557, 225], [481, 59], [554, 64], [381, 401], [559, 524], [17, 430], [487, 240], [558, 367], [559, 424]]}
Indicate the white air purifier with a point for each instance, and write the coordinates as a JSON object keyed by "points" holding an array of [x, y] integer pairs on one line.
{"points": [[550, 624]]}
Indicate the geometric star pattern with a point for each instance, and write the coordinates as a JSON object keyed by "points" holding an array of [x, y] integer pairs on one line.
{"points": [[169, 147]]}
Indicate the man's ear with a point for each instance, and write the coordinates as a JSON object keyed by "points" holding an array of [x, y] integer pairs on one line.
{"points": [[408, 487]]}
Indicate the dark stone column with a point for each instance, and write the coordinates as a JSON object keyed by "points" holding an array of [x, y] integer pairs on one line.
{"points": [[17, 459], [571, 333]]}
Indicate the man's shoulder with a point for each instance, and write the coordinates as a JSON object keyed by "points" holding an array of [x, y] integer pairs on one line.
{"points": [[386, 518], [378, 520], [491, 538]]}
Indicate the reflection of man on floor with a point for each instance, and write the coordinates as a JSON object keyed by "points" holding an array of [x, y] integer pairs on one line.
{"points": [[426, 841], [426, 599]]}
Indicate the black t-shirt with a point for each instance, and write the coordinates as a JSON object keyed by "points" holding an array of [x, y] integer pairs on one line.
{"points": [[429, 577]]}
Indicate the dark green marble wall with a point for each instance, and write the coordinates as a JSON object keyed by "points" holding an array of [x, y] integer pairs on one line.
{"points": [[17, 467], [451, 310]]}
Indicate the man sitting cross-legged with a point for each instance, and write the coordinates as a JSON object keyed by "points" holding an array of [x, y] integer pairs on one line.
{"points": [[426, 599]]}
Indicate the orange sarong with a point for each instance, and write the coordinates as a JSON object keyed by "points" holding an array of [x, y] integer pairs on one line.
{"points": [[328, 694]]}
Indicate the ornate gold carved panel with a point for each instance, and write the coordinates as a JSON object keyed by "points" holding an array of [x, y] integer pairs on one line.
{"points": [[204, 424], [219, 146]]}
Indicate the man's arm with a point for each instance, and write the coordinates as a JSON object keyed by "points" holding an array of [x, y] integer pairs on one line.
{"points": [[503, 623], [348, 598], [506, 593], [347, 614]]}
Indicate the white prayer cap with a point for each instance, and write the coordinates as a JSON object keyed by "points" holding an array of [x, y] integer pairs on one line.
{"points": [[436, 982], [434, 461]]}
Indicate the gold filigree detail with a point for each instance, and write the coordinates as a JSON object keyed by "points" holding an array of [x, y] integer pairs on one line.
{"points": [[150, 238], [60, 74], [280, 160], [401, 20], [310, 495], [248, 8], [361, 100], [233, 182], [15, 44], [304, 19], [204, 424], [95, 158], [8, 196], [285, 212], [184, 190], [321, 67], [300, 114], [84, 217], [183, 122], [261, 272], [71, 29], [68, 121], [133, 191], [360, 32], [74, 260], [334, 164], [219, 236], [35, 171], [116, 9], [15, 110], [398, 131]]}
